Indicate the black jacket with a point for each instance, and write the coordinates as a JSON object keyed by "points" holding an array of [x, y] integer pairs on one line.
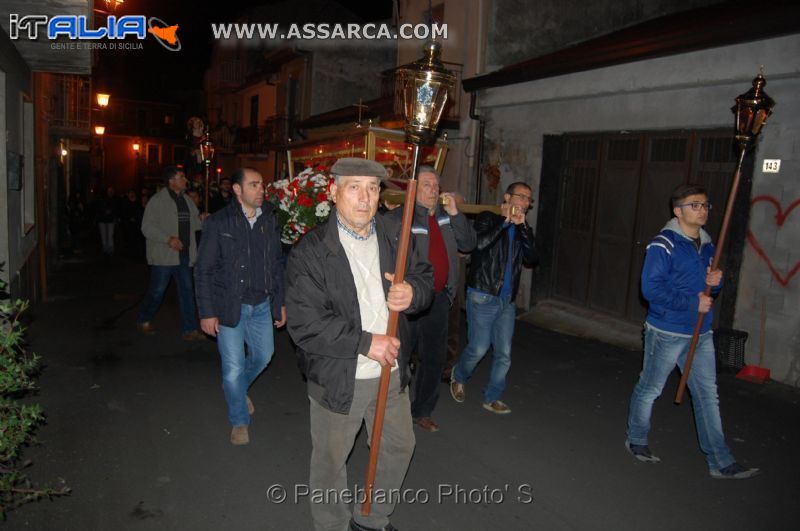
{"points": [[324, 318], [219, 275], [491, 253], [457, 233]]}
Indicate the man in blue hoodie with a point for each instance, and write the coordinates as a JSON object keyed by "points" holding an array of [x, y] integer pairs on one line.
{"points": [[675, 273]]}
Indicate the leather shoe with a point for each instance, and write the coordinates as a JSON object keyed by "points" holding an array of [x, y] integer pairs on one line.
{"points": [[426, 423], [354, 526], [240, 435], [146, 328], [194, 335]]}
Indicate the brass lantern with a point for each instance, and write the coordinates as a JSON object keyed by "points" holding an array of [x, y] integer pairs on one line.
{"points": [[752, 110], [424, 85], [207, 149]]}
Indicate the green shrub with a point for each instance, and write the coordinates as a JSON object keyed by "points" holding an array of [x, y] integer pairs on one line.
{"points": [[18, 371]]}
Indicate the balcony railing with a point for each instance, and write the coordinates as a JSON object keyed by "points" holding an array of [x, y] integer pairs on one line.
{"points": [[452, 112], [254, 139], [72, 102]]}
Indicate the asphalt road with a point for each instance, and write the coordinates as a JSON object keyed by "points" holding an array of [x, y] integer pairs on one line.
{"points": [[137, 428]]}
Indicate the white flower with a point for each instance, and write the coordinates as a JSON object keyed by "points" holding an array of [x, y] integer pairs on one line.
{"points": [[323, 209]]}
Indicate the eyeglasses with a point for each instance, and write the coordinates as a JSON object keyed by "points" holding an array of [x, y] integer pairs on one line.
{"points": [[524, 198], [697, 205]]}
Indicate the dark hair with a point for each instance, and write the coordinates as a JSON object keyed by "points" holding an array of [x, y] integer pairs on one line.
{"points": [[513, 186], [683, 191], [170, 172], [237, 177]]}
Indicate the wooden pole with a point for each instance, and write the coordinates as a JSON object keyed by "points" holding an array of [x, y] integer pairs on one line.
{"points": [[391, 330], [205, 203], [723, 234]]}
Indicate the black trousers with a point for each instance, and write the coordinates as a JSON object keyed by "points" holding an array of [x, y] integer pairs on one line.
{"points": [[427, 335]]}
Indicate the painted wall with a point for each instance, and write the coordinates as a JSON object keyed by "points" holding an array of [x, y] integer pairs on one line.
{"points": [[694, 91], [343, 73], [16, 244], [266, 102], [772, 255], [522, 29]]}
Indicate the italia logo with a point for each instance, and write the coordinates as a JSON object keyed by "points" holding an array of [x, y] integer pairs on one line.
{"points": [[78, 28]]}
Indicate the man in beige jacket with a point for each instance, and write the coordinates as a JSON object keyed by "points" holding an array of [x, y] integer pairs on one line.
{"points": [[169, 224]]}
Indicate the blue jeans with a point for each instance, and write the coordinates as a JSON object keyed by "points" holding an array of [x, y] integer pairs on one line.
{"points": [[107, 236], [662, 352], [490, 322], [159, 281], [240, 370]]}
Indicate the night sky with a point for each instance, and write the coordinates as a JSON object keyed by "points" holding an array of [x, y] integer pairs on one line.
{"points": [[156, 74]]}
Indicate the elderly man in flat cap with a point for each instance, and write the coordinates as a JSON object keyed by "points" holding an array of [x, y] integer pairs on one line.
{"points": [[338, 299]]}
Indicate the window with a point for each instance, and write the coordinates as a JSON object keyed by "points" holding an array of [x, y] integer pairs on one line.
{"points": [[179, 155], [153, 154], [254, 111]]}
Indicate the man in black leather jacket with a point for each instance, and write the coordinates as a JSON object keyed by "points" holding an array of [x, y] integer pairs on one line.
{"points": [[505, 244]]}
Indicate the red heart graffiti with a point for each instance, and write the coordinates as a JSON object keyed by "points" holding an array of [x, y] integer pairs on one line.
{"points": [[780, 218]]}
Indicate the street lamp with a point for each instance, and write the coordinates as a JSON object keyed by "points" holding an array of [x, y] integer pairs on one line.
{"points": [[424, 85], [102, 99], [100, 130], [207, 154], [751, 112], [137, 147]]}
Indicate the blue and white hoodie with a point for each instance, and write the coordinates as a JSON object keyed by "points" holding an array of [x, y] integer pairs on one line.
{"points": [[674, 273]]}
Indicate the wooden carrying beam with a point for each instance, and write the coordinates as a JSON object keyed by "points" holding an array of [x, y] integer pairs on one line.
{"points": [[398, 197]]}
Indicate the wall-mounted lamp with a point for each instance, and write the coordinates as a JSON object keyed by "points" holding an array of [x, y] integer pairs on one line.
{"points": [[102, 99]]}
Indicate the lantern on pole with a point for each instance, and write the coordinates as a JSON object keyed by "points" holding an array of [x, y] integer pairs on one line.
{"points": [[423, 85], [751, 112], [207, 155]]}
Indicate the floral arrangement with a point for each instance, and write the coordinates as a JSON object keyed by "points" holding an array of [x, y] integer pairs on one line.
{"points": [[301, 203]]}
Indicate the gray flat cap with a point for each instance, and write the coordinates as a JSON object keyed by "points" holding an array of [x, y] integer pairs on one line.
{"points": [[355, 167]]}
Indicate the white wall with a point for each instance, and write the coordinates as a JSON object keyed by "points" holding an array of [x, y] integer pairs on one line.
{"points": [[16, 245]]}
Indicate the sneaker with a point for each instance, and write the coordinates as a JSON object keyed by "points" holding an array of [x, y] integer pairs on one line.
{"points": [[641, 452], [457, 391], [426, 423], [734, 471], [240, 435], [250, 407], [146, 328], [498, 406], [194, 335]]}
